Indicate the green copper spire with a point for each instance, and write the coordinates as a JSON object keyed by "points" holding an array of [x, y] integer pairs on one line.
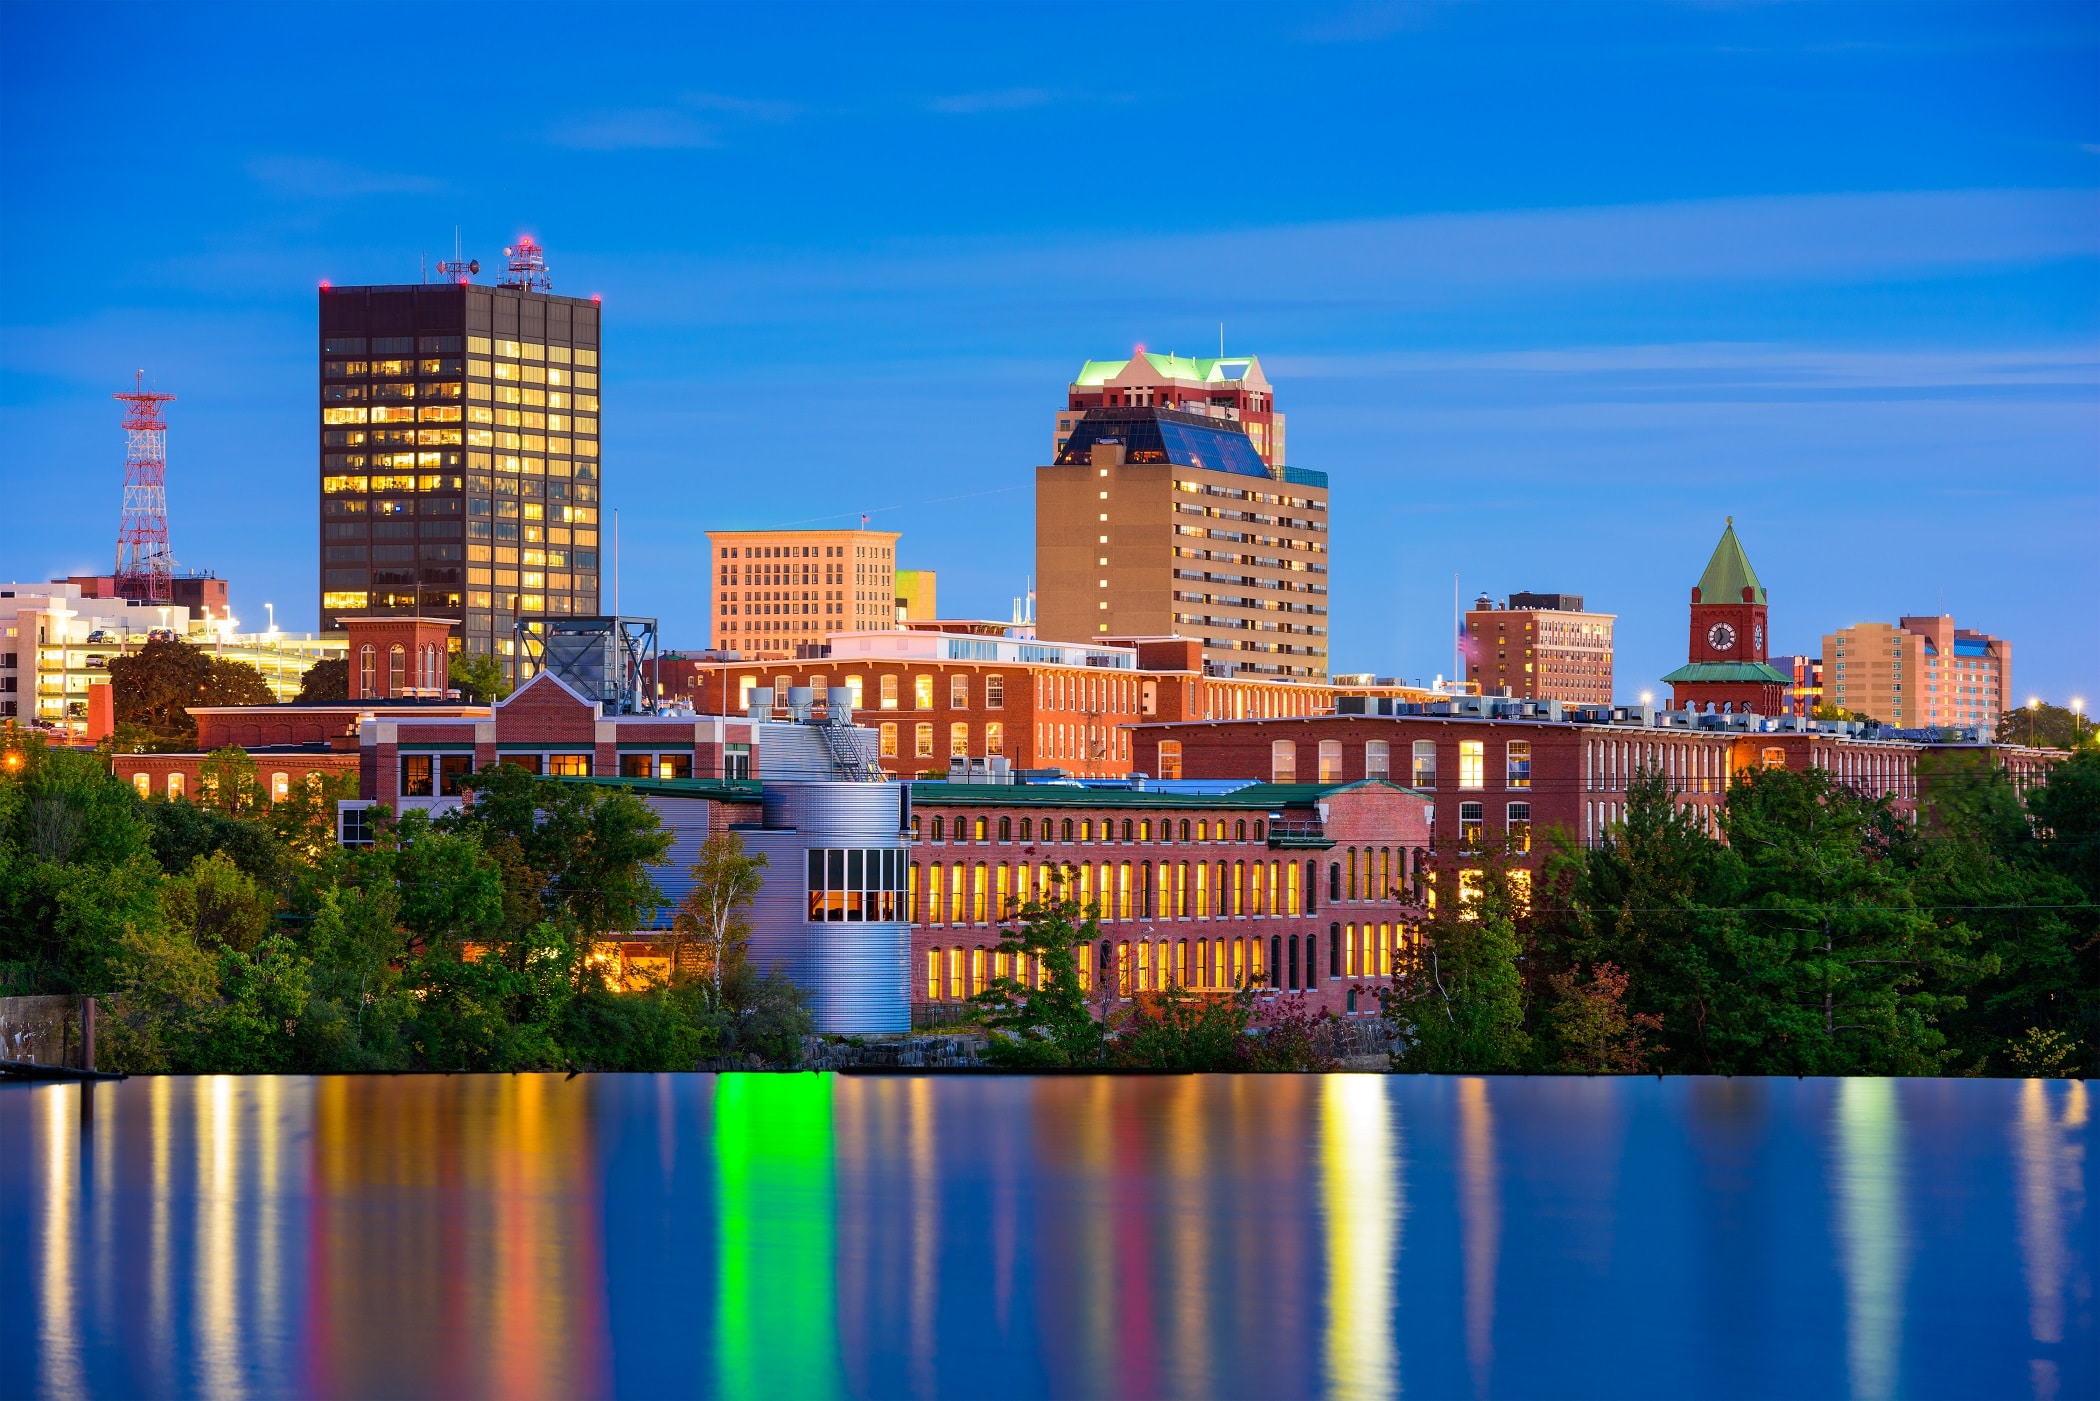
{"points": [[1728, 573]]}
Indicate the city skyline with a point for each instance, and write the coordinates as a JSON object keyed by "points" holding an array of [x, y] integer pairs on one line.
{"points": [[1851, 318]]}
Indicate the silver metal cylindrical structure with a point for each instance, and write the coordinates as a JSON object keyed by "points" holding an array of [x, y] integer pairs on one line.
{"points": [[856, 967]]}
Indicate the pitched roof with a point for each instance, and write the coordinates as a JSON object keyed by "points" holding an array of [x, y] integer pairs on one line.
{"points": [[1728, 573], [1226, 369], [1761, 673]]}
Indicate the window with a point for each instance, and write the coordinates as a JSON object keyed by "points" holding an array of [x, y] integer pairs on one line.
{"points": [[959, 691], [1775, 757], [356, 829], [568, 766], [1520, 826], [1169, 761], [175, 785], [416, 776], [1283, 762], [854, 886], [994, 693], [1330, 761], [634, 765], [889, 693], [923, 746], [959, 740], [994, 737], [396, 669], [143, 782], [1378, 759], [1472, 763], [922, 693], [736, 761], [1425, 763], [888, 731], [1519, 763], [1472, 823]]}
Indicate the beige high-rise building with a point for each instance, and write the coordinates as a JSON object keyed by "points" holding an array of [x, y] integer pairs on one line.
{"points": [[777, 591], [1156, 522], [1918, 672]]}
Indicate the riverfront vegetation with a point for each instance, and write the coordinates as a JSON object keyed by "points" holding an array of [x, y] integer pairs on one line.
{"points": [[1825, 935]]}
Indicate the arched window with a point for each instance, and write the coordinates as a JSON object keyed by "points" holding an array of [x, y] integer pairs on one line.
{"points": [[367, 665], [1312, 961], [1126, 829], [1312, 887], [1027, 829], [1291, 956], [396, 670], [1239, 830], [981, 829], [1334, 953], [1334, 880], [1276, 957], [1184, 829], [280, 787], [1066, 829], [1006, 829], [937, 828]]}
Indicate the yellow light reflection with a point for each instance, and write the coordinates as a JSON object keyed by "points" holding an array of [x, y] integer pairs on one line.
{"points": [[1363, 1174], [2048, 1163], [1873, 1232], [58, 1336], [215, 1272], [1480, 1223]]}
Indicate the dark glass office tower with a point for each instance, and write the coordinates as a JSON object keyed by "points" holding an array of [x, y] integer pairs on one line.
{"points": [[460, 473]]}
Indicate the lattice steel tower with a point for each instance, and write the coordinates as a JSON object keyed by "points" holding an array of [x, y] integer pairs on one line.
{"points": [[145, 565]]}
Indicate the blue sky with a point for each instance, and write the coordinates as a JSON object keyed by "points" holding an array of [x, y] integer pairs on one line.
{"points": [[1548, 291]]}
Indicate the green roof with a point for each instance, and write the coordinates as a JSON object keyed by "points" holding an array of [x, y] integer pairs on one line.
{"points": [[1230, 367], [1761, 673], [1728, 573], [727, 790]]}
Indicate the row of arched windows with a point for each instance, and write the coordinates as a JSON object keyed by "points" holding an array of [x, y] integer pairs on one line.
{"points": [[981, 892], [431, 666], [1286, 962]]}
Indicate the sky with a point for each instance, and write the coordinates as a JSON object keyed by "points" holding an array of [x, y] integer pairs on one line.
{"points": [[1550, 292]]}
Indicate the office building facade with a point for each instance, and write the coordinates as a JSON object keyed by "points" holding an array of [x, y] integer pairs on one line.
{"points": [[460, 471], [1231, 388], [1154, 522], [1918, 671], [781, 593], [1540, 646]]}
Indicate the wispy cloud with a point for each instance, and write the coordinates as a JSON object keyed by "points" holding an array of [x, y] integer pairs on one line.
{"points": [[1000, 100], [321, 177], [635, 129], [1367, 23], [751, 108]]}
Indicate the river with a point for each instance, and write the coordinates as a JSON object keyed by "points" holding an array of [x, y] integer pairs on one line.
{"points": [[791, 1236]]}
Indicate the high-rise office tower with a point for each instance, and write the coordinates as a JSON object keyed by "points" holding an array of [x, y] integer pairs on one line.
{"points": [[460, 471], [1156, 522]]}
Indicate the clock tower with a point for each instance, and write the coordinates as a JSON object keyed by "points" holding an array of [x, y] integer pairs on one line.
{"points": [[1727, 666]]}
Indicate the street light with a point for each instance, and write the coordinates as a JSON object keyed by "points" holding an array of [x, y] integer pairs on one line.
{"points": [[2034, 706], [1647, 698], [2077, 720]]}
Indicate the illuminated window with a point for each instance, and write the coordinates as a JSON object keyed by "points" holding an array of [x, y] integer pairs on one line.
{"points": [[922, 693], [143, 782], [568, 766], [396, 669], [1520, 826], [280, 787], [1283, 762], [889, 739], [889, 693], [1472, 763], [1472, 821], [1519, 763], [959, 740], [994, 737], [1330, 761], [923, 745], [367, 661], [175, 785], [959, 691], [1775, 757]]}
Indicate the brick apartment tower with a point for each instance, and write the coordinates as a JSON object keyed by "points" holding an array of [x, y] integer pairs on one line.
{"points": [[1541, 646], [1162, 518], [460, 472], [1727, 667]]}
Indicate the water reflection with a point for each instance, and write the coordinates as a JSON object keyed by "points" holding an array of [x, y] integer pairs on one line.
{"points": [[1871, 1222], [812, 1236], [1365, 1207], [2049, 1157]]}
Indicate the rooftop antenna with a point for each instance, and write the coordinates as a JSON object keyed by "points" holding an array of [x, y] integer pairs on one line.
{"points": [[527, 266], [460, 269], [1221, 340], [616, 561], [145, 564]]}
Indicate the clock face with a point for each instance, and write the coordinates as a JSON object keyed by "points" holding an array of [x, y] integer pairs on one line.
{"points": [[1720, 637]]}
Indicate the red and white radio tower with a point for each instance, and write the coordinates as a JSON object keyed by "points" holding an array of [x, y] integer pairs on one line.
{"points": [[527, 266], [145, 566]]}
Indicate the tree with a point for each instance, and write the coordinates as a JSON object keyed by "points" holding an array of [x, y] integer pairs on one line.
{"points": [[2044, 726], [1049, 1024], [725, 882], [326, 680], [1459, 1008], [227, 778], [1592, 1026], [155, 687], [479, 677]]}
